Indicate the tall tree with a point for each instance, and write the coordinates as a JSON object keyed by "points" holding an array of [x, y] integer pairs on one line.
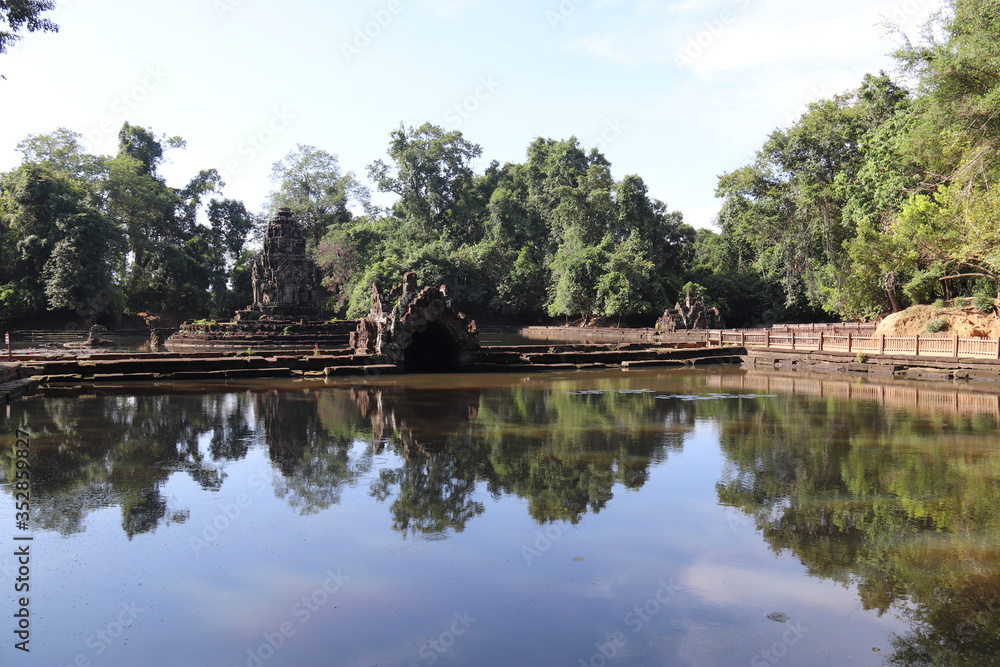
{"points": [[311, 183], [432, 175]]}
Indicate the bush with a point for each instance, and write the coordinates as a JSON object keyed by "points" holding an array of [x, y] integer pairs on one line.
{"points": [[984, 303], [937, 326]]}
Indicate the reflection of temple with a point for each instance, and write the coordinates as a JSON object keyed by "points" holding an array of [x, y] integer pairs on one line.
{"points": [[420, 419]]}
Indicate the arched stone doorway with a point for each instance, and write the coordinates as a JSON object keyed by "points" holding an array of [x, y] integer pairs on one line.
{"points": [[433, 350]]}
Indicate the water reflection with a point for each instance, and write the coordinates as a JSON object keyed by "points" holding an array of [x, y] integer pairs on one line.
{"points": [[895, 492], [905, 504]]}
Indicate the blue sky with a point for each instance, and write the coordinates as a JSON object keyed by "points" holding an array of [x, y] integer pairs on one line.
{"points": [[677, 92]]}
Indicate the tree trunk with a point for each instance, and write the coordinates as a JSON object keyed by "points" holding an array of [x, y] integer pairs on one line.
{"points": [[894, 300]]}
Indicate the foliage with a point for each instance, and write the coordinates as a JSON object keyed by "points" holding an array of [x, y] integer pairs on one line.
{"points": [[937, 325], [984, 303], [311, 184], [96, 236], [555, 234], [16, 15]]}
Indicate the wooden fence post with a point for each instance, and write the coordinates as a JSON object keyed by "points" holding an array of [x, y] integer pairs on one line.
{"points": [[881, 344], [954, 347], [916, 345], [793, 339], [767, 341], [850, 341], [821, 341]]}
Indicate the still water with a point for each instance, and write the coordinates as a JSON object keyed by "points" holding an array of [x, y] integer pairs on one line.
{"points": [[715, 517]]}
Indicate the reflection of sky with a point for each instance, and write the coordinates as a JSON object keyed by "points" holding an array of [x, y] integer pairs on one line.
{"points": [[539, 595]]}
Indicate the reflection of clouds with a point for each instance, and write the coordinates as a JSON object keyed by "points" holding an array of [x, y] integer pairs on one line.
{"points": [[730, 585]]}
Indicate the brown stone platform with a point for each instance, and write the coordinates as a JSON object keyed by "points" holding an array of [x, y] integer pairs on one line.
{"points": [[62, 370]]}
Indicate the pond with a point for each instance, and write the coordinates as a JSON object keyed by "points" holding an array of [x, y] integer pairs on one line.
{"points": [[710, 517]]}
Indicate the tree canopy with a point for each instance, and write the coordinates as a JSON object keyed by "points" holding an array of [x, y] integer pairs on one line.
{"points": [[18, 15]]}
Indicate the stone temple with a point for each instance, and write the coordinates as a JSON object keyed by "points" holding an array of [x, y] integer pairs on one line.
{"points": [[285, 281], [287, 306]]}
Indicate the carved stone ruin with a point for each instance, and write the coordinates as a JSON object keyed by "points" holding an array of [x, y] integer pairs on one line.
{"points": [[690, 316], [423, 333], [287, 302], [285, 280]]}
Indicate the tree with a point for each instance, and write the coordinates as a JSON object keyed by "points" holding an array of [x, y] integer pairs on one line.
{"points": [[432, 175], [78, 274], [66, 249], [792, 214], [312, 185], [23, 14], [61, 150], [956, 136]]}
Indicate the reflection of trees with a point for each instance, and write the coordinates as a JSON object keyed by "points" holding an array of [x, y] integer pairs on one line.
{"points": [[95, 452], [562, 451], [906, 507], [435, 486], [310, 449]]}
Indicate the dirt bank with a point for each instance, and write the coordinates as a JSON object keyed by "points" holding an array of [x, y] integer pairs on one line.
{"points": [[963, 320]]}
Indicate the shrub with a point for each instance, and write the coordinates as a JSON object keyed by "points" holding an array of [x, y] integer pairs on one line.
{"points": [[938, 325], [862, 357], [984, 303]]}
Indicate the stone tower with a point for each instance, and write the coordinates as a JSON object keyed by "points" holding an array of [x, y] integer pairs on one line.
{"points": [[285, 280]]}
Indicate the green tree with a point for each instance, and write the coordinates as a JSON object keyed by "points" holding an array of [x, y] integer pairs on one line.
{"points": [[433, 177], [311, 183], [17, 15]]}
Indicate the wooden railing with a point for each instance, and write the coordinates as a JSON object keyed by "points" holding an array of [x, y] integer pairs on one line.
{"points": [[821, 341], [830, 327]]}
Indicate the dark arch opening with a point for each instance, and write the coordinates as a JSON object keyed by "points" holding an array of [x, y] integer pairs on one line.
{"points": [[433, 350]]}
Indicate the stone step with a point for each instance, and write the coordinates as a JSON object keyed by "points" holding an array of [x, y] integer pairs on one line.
{"points": [[367, 372]]}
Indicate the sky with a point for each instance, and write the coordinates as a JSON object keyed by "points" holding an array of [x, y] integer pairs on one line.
{"points": [[678, 92]]}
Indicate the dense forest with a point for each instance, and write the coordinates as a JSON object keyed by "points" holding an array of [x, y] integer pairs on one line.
{"points": [[873, 200]]}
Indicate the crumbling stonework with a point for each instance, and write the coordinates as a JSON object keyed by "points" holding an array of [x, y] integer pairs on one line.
{"points": [[690, 315], [422, 333], [287, 307], [285, 280]]}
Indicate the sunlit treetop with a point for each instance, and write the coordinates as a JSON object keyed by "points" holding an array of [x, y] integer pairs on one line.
{"points": [[17, 15]]}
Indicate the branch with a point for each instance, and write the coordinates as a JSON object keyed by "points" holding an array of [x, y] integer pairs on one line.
{"points": [[970, 275]]}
